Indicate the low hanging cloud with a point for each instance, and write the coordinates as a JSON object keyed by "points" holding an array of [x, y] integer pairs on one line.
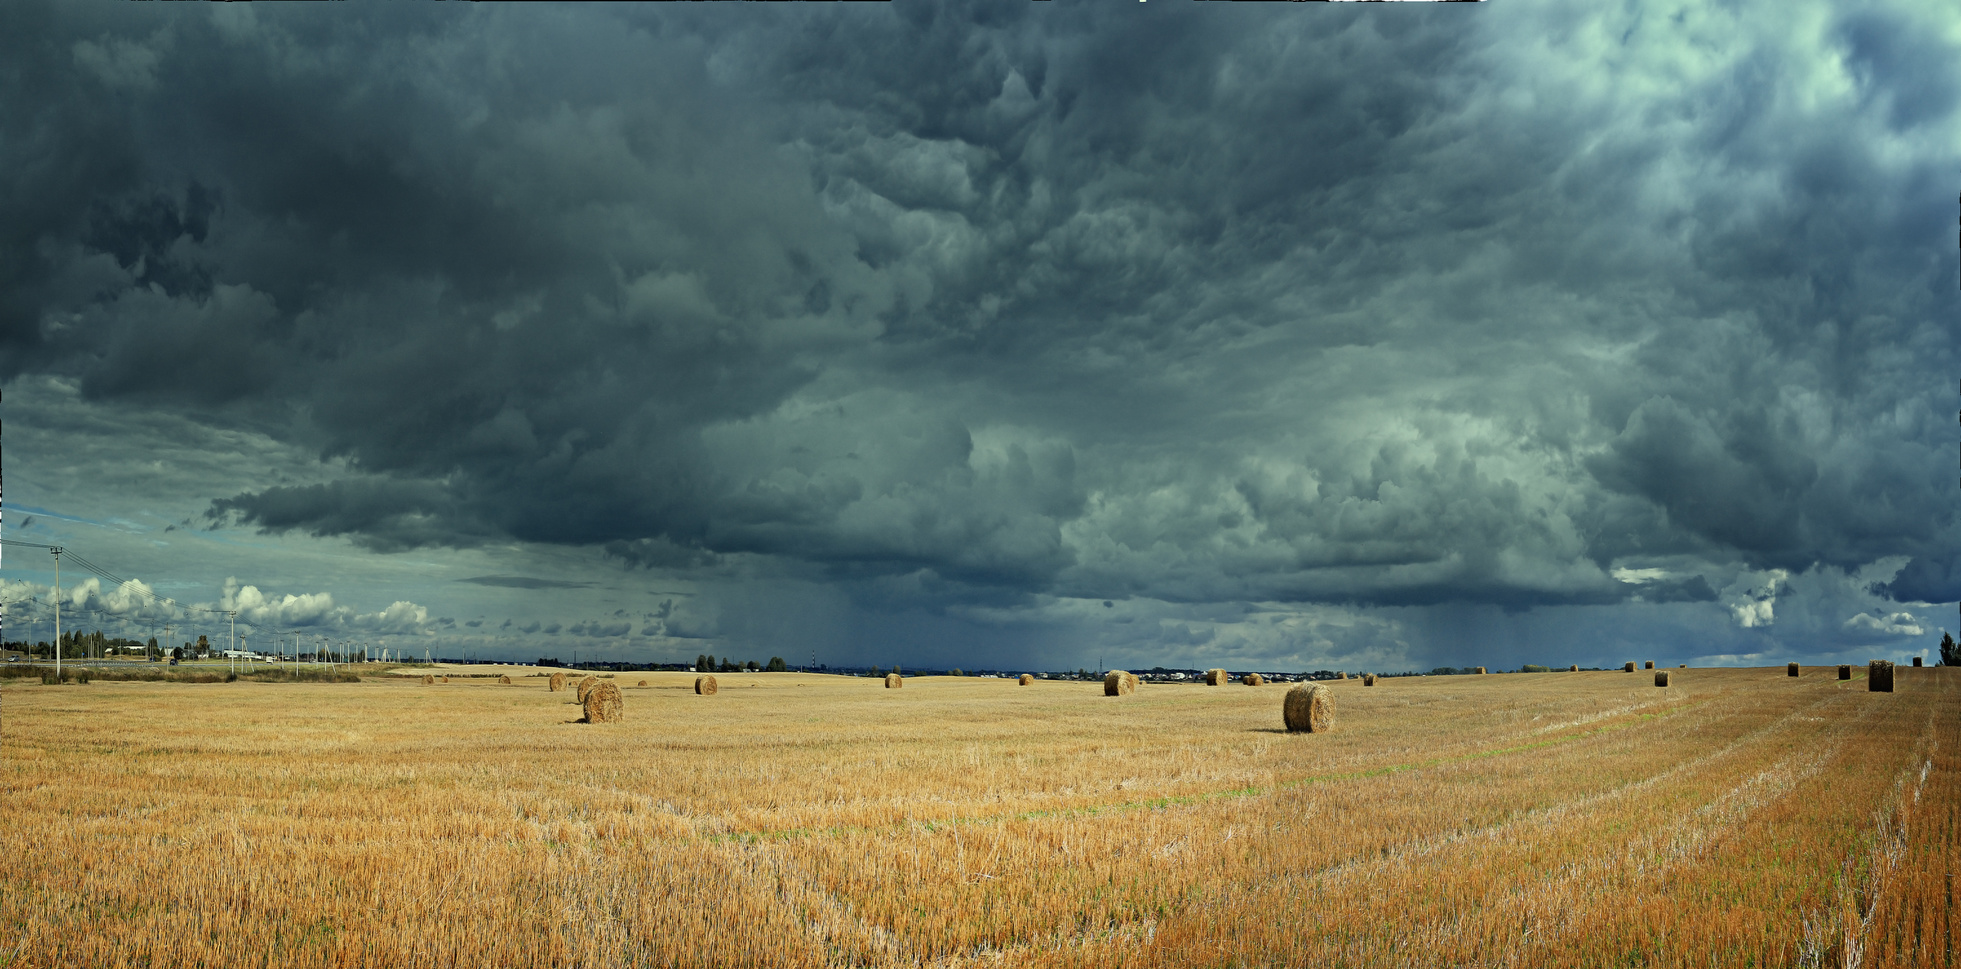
{"points": [[982, 309]]}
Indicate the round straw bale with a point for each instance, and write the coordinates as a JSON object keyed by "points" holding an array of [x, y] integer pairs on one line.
{"points": [[1650, 664], [504, 680], [603, 704], [1845, 671], [1629, 667], [1216, 678], [1339, 675], [1791, 669], [1480, 670], [1916, 661], [1575, 668], [586, 686], [1026, 679], [1253, 679], [1879, 677], [643, 682], [706, 685], [1368, 679], [894, 681], [1119, 683], [428, 680], [1661, 677], [1310, 708], [558, 682], [445, 678]]}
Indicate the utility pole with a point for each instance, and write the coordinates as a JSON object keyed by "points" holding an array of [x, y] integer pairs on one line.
{"points": [[234, 639], [57, 612]]}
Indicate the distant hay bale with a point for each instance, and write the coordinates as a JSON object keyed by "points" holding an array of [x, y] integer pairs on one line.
{"points": [[894, 681], [1845, 671], [1879, 677], [1309, 708], [1791, 669], [1661, 677], [1368, 679], [505, 680], [1119, 683], [1575, 668], [1651, 664], [1480, 670], [445, 678], [1340, 675], [1253, 679], [603, 704], [1628, 668], [1916, 661], [706, 686], [1026, 679], [1682, 666], [1216, 678], [428, 680], [586, 686], [643, 682], [558, 682]]}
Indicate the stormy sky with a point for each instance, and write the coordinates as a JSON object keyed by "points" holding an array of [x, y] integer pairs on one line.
{"points": [[998, 335]]}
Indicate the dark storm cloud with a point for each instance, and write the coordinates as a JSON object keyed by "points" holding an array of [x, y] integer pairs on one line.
{"points": [[961, 306], [523, 582]]}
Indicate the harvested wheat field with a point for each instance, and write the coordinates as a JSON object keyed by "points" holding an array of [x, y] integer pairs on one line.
{"points": [[1585, 819]]}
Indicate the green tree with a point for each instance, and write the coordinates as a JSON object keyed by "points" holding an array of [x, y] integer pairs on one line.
{"points": [[1950, 651], [776, 665], [877, 672], [702, 664]]}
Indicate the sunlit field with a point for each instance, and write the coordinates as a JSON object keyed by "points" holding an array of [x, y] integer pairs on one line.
{"points": [[1734, 818]]}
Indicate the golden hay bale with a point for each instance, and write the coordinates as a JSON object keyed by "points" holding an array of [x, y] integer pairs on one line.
{"points": [[1879, 677], [1119, 683], [1575, 668], [428, 680], [1216, 678], [1661, 677], [603, 703], [558, 682], [1368, 679], [706, 686], [643, 682], [1791, 669], [586, 686], [1341, 676], [445, 678], [1628, 668], [1916, 661], [1310, 708], [894, 681], [1650, 664], [1026, 679], [1253, 679], [504, 680], [1480, 670], [1844, 671]]}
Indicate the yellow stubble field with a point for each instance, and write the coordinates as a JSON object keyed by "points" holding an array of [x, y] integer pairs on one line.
{"points": [[1735, 818]]}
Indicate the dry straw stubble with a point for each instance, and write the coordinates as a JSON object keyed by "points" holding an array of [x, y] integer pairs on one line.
{"points": [[706, 686], [1309, 708], [603, 703], [1119, 683]]}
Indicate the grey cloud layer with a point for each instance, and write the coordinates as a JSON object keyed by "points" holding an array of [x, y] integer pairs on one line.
{"points": [[964, 306]]}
